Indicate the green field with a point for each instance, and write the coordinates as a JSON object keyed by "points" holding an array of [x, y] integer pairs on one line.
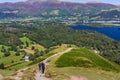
{"points": [[24, 39], [13, 62], [10, 59], [5, 47], [85, 58], [31, 44]]}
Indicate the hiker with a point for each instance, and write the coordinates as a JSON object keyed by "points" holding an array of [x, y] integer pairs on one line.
{"points": [[43, 67], [39, 66]]}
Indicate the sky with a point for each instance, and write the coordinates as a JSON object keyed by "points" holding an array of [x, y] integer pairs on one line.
{"points": [[104, 1], [2, 1]]}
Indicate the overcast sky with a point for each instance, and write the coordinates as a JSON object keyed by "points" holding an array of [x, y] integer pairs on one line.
{"points": [[104, 1]]}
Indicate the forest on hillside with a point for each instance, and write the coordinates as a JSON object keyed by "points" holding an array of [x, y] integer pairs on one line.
{"points": [[53, 34]]}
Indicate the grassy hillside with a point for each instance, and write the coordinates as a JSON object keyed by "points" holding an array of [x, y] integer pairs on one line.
{"points": [[93, 72], [24, 40], [28, 44], [1, 47], [29, 74], [85, 58], [51, 35], [14, 62]]}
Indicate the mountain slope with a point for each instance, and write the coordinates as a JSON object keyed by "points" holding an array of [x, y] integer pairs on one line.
{"points": [[85, 58], [88, 73], [40, 7], [108, 14]]}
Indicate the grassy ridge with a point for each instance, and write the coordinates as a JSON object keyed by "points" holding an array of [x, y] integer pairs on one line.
{"points": [[58, 49], [85, 58]]}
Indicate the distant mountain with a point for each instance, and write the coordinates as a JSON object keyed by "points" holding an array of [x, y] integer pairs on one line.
{"points": [[49, 7], [108, 14], [42, 1]]}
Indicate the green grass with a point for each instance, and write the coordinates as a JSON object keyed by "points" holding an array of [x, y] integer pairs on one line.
{"points": [[24, 39], [6, 47], [31, 44], [89, 73], [59, 49], [19, 66], [9, 59], [6, 72], [13, 63], [28, 74], [85, 58]]}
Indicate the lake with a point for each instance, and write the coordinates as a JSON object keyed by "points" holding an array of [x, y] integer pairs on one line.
{"points": [[112, 32]]}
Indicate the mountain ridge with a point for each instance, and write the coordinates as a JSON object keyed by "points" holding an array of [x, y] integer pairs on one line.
{"points": [[38, 7]]}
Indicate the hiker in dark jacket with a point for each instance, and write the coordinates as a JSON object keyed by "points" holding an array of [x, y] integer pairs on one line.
{"points": [[43, 67]]}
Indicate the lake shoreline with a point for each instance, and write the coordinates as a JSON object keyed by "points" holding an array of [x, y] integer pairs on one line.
{"points": [[112, 32]]}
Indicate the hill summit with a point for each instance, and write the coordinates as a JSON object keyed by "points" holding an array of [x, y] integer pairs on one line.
{"points": [[85, 58], [38, 8], [42, 1]]}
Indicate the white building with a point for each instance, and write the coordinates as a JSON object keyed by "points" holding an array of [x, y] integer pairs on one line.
{"points": [[26, 58], [95, 51]]}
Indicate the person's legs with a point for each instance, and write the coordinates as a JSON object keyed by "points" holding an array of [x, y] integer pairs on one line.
{"points": [[43, 70]]}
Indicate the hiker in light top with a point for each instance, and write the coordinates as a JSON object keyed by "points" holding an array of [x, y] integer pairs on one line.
{"points": [[39, 66]]}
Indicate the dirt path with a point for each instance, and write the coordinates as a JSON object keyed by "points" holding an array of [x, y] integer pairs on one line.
{"points": [[77, 78], [39, 75], [18, 75], [1, 77]]}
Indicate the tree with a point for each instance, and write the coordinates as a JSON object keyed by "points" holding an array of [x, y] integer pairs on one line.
{"points": [[32, 47], [36, 54], [42, 53], [17, 53], [13, 48], [7, 54], [3, 49], [2, 66], [32, 57], [21, 47], [12, 61], [27, 44]]}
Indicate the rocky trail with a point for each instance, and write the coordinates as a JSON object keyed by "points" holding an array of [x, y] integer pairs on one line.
{"points": [[77, 78], [39, 75], [1, 77]]}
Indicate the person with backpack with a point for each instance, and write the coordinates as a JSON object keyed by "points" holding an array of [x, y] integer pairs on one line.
{"points": [[41, 67]]}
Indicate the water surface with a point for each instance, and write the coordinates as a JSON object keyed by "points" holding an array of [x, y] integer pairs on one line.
{"points": [[112, 32]]}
